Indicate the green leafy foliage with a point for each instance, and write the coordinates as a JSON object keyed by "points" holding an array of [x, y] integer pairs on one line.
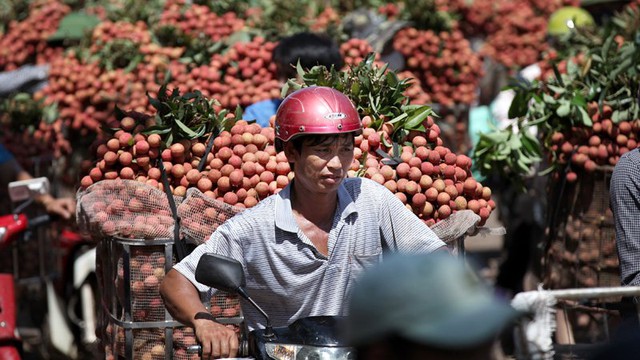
{"points": [[21, 112], [509, 154], [12, 10], [133, 11], [425, 14], [118, 54], [350, 5], [411, 119], [627, 23], [170, 36], [222, 6], [375, 91], [279, 18], [186, 116], [200, 50]]}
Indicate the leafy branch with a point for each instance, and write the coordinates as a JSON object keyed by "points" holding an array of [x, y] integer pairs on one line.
{"points": [[508, 153], [21, 112], [186, 116], [376, 92], [118, 54], [602, 69]]}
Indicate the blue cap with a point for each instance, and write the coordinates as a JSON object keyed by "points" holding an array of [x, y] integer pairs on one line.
{"points": [[431, 299]]}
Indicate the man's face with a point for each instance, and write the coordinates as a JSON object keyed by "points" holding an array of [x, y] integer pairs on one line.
{"points": [[320, 166]]}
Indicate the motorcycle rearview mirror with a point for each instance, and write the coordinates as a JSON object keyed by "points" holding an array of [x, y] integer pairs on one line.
{"points": [[220, 272], [226, 274], [27, 189]]}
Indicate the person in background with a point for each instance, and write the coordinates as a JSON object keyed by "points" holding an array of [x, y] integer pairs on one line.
{"points": [[523, 213], [10, 171], [624, 196], [625, 205], [425, 306], [308, 48], [302, 248], [624, 193]]}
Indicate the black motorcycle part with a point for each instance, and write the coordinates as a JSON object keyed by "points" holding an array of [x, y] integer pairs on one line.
{"points": [[321, 331]]}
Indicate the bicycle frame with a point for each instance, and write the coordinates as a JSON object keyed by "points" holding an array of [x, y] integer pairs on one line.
{"points": [[541, 303]]}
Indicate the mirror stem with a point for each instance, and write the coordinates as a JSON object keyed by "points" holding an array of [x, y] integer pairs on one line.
{"points": [[23, 206], [268, 332]]}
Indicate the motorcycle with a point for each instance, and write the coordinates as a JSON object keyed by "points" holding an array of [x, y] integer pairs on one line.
{"points": [[64, 327], [315, 337]]}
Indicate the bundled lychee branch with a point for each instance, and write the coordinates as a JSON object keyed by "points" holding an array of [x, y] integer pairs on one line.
{"points": [[588, 112], [25, 42], [23, 119], [443, 62]]}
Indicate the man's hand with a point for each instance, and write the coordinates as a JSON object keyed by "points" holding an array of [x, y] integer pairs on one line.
{"points": [[182, 300], [64, 207], [217, 340]]}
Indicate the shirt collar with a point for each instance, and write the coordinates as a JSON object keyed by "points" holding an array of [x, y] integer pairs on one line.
{"points": [[284, 213]]}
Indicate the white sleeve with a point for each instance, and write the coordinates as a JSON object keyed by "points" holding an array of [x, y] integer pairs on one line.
{"points": [[401, 229], [500, 108], [501, 104]]}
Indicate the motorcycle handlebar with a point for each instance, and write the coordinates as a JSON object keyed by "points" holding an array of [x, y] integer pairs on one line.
{"points": [[38, 220], [194, 349], [242, 351]]}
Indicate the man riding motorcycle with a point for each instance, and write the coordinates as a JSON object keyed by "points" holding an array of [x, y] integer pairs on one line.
{"points": [[302, 248]]}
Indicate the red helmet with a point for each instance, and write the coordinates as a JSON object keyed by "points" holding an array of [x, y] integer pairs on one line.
{"points": [[316, 110]]}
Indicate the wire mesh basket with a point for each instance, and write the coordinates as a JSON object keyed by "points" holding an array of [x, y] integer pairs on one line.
{"points": [[170, 342], [136, 324]]}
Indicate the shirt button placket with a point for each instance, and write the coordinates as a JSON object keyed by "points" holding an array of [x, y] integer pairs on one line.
{"points": [[337, 252]]}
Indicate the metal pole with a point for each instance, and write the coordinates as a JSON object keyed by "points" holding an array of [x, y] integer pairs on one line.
{"points": [[573, 294]]}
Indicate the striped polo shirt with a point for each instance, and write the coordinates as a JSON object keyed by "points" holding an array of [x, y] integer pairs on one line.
{"points": [[285, 273]]}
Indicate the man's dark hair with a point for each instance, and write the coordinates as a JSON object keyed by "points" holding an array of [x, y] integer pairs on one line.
{"points": [[310, 49]]}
